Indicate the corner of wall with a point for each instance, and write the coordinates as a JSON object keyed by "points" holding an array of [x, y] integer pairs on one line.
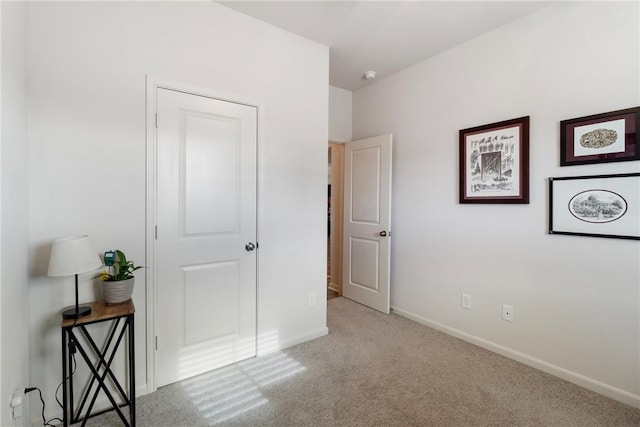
{"points": [[14, 293], [340, 114]]}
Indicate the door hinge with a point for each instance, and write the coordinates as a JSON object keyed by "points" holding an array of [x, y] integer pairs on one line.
{"points": [[156, 343], [156, 232], [156, 120]]}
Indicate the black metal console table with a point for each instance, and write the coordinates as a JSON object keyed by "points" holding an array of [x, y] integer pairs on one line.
{"points": [[76, 338]]}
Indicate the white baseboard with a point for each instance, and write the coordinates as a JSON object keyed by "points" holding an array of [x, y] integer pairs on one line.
{"points": [[573, 377], [141, 390], [263, 350], [307, 337]]}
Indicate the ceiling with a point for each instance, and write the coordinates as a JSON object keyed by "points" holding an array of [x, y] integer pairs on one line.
{"points": [[384, 36]]}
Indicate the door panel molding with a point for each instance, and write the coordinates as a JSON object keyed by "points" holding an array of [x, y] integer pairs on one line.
{"points": [[153, 83]]}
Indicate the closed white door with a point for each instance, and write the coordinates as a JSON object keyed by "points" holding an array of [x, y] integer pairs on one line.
{"points": [[206, 234], [367, 222]]}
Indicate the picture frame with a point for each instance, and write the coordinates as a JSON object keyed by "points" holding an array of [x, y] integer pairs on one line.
{"points": [[601, 138], [494, 163], [595, 206]]}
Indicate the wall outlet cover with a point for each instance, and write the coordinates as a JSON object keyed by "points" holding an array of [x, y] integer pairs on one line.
{"points": [[466, 301], [507, 313]]}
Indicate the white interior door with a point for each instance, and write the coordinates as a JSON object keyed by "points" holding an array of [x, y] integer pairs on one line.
{"points": [[206, 226], [367, 221]]}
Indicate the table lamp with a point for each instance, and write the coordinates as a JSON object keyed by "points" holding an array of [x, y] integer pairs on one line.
{"points": [[72, 256]]}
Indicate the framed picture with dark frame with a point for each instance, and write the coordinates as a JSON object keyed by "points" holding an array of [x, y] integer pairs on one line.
{"points": [[595, 206], [601, 138], [494, 162]]}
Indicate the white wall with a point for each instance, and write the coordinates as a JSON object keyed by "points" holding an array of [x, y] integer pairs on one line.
{"points": [[576, 299], [87, 63], [340, 114], [14, 292]]}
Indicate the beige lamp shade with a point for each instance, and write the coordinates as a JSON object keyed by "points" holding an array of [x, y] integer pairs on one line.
{"points": [[73, 255]]}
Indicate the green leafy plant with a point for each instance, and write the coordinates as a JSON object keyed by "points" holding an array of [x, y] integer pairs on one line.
{"points": [[122, 269]]}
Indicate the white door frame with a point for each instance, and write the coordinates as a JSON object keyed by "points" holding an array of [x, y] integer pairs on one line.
{"points": [[152, 84]]}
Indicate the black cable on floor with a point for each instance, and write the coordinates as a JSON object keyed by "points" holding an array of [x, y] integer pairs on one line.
{"points": [[45, 422]]}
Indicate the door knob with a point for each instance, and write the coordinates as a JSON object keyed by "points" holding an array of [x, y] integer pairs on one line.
{"points": [[250, 247], [383, 233]]}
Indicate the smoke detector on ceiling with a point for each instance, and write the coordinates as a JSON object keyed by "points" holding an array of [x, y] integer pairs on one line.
{"points": [[369, 75]]}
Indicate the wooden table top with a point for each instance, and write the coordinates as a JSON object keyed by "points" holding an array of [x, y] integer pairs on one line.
{"points": [[100, 311]]}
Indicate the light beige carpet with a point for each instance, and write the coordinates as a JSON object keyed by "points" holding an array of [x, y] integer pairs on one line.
{"points": [[377, 370]]}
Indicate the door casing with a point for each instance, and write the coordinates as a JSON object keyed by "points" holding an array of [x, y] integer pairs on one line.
{"points": [[152, 84], [337, 220]]}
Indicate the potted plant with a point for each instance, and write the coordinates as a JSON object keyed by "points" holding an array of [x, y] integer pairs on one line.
{"points": [[118, 279]]}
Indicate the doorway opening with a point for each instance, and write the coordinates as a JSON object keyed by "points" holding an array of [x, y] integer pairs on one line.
{"points": [[335, 214]]}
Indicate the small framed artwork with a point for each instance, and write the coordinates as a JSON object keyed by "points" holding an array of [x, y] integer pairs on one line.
{"points": [[601, 138], [596, 206], [494, 162]]}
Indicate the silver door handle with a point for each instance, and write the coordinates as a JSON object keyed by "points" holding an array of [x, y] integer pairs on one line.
{"points": [[383, 233], [250, 247]]}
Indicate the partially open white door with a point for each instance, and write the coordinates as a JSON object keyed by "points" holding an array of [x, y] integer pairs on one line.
{"points": [[367, 221], [206, 234]]}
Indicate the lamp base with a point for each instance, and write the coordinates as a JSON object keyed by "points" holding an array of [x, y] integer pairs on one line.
{"points": [[72, 313]]}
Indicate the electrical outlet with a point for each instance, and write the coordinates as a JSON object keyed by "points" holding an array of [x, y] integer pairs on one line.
{"points": [[15, 403], [466, 301], [507, 313], [312, 299]]}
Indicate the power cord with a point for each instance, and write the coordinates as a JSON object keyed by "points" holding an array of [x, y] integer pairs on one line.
{"points": [[72, 352], [45, 422], [73, 371]]}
